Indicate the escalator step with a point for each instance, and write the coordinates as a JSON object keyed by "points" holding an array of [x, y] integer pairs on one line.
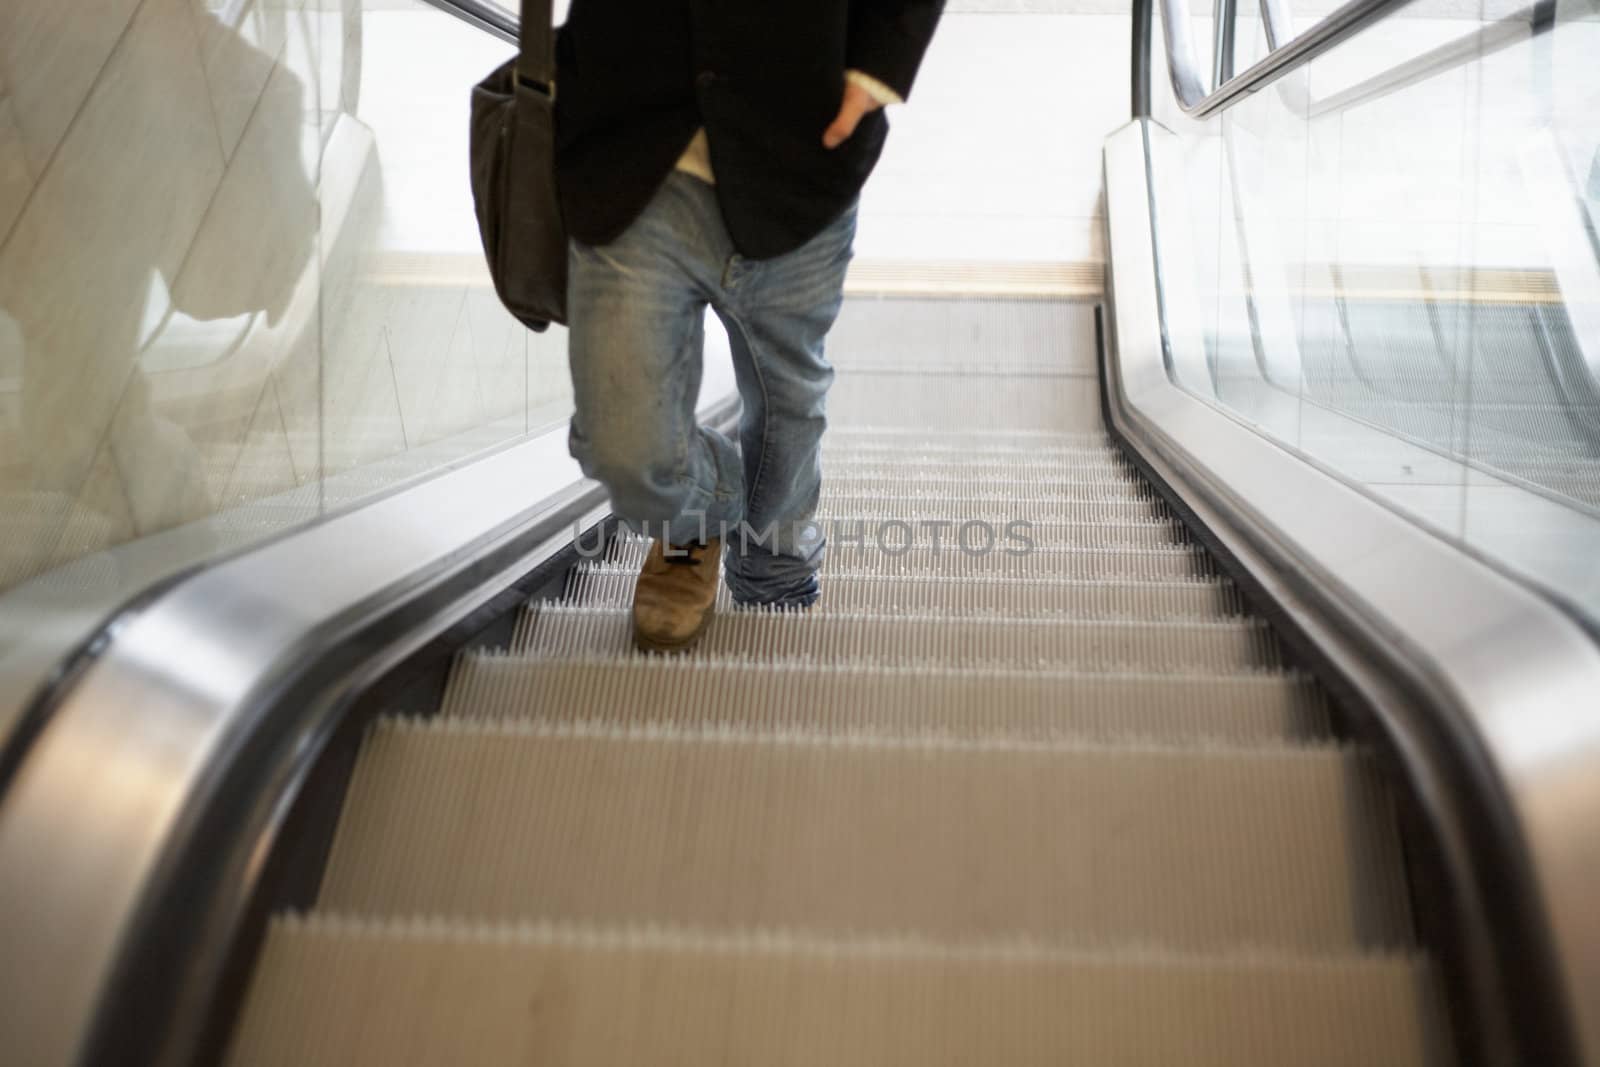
{"points": [[981, 536], [1203, 848], [847, 443], [893, 551], [863, 446], [1179, 647], [611, 585], [794, 694], [995, 508], [1109, 484], [1011, 467], [961, 441], [914, 443], [352, 993], [971, 402]]}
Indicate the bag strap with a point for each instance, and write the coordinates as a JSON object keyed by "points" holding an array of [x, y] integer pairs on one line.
{"points": [[536, 45]]}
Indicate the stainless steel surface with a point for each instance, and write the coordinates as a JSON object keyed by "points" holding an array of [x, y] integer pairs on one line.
{"points": [[1224, 21], [147, 727], [1521, 675], [42, 620], [1183, 71]]}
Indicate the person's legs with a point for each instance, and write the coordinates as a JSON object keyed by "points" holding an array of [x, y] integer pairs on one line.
{"points": [[778, 313], [636, 312]]}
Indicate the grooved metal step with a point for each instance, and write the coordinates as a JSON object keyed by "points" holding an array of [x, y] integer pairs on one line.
{"points": [[866, 447], [333, 991], [998, 509], [789, 693], [840, 833], [1047, 483], [1010, 469], [964, 534], [611, 585], [1178, 647], [882, 552], [935, 401], [954, 440]]}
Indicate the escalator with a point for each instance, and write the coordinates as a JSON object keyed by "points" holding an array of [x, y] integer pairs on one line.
{"points": [[1005, 807], [1130, 728]]}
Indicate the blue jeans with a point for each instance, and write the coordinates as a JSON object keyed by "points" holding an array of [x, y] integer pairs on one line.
{"points": [[636, 311]]}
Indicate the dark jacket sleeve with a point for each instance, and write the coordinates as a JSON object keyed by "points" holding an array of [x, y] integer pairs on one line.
{"points": [[889, 37]]}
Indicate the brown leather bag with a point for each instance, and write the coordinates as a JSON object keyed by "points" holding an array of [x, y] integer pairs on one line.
{"points": [[513, 176]]}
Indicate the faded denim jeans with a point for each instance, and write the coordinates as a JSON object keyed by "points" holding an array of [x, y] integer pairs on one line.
{"points": [[636, 310]]}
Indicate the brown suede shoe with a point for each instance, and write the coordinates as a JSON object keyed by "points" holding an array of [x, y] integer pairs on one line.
{"points": [[672, 602]]}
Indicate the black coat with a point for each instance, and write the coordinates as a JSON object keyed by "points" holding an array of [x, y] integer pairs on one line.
{"points": [[636, 78]]}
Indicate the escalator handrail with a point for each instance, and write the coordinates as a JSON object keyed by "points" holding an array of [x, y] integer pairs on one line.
{"points": [[485, 16], [1189, 86], [1287, 52], [1531, 21]]}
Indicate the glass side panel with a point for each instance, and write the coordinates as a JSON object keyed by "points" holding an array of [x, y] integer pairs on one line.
{"points": [[240, 283], [1388, 260]]}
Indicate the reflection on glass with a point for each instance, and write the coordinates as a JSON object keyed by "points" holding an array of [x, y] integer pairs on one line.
{"points": [[1395, 269], [239, 277]]}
